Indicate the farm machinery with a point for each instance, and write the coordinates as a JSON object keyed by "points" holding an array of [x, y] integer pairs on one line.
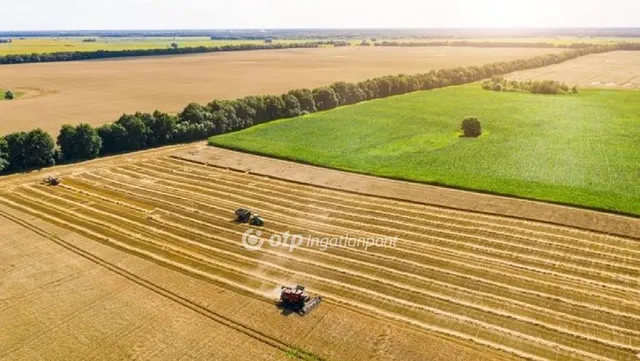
{"points": [[246, 216], [51, 180], [297, 300]]}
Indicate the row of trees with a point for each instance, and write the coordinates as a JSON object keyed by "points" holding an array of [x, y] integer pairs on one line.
{"points": [[500, 83], [101, 54], [196, 122], [175, 50]]}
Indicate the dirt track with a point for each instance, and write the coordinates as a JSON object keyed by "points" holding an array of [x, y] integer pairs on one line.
{"points": [[527, 288], [97, 92]]}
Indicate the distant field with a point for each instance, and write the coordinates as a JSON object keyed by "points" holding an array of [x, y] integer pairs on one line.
{"points": [[51, 45], [553, 40], [58, 44], [575, 149], [100, 91], [620, 69]]}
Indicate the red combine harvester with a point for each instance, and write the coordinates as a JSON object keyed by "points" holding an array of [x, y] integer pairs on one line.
{"points": [[297, 300]]}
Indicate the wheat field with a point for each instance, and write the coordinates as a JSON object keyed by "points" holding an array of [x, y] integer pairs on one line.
{"points": [[98, 92], [514, 288]]}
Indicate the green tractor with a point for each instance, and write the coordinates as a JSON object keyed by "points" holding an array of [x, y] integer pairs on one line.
{"points": [[245, 216]]}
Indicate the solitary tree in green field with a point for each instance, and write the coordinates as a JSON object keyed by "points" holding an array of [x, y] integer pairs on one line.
{"points": [[471, 127]]}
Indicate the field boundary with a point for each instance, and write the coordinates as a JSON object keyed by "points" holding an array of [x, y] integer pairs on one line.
{"points": [[420, 193]]}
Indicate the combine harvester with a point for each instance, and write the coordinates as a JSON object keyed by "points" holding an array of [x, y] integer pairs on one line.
{"points": [[51, 180], [297, 300]]}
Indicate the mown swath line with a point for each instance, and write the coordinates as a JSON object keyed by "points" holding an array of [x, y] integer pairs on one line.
{"points": [[396, 209], [49, 327], [574, 234], [397, 317], [474, 239], [402, 217], [393, 220], [622, 283], [395, 300], [328, 269], [477, 270], [300, 207], [273, 342], [210, 216]]}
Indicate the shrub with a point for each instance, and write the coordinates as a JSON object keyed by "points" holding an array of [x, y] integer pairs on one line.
{"points": [[136, 132], [88, 143], [305, 98], [471, 127], [195, 114], [161, 126], [29, 149], [325, 98], [79, 142], [9, 95], [274, 107], [291, 106], [113, 137]]}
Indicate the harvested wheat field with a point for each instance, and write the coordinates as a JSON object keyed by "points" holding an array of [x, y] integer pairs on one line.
{"points": [[97, 92], [494, 287], [59, 302], [619, 69]]}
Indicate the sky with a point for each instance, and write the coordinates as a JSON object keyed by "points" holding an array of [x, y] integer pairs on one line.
{"points": [[219, 14]]}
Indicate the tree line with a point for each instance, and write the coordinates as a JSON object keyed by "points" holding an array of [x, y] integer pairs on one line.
{"points": [[176, 50], [131, 132], [102, 54]]}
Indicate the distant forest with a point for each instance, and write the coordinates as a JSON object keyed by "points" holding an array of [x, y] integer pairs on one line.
{"points": [[263, 34]]}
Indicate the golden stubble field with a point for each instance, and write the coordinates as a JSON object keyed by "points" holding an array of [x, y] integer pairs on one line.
{"points": [[150, 242], [100, 91], [619, 69]]}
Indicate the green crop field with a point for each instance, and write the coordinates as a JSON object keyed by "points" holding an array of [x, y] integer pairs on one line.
{"points": [[579, 149], [52, 45]]}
